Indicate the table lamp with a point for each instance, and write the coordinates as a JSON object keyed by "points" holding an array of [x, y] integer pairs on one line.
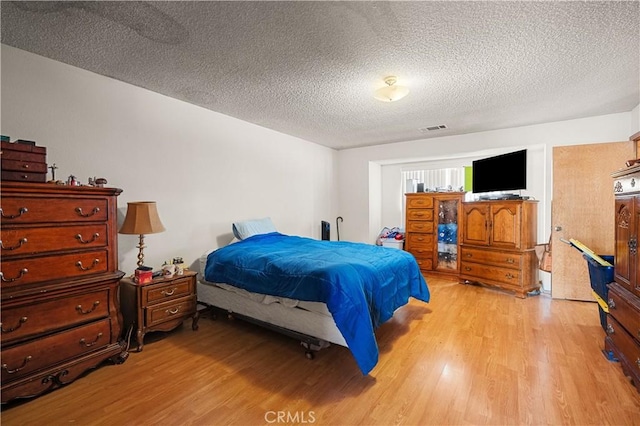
{"points": [[142, 218]]}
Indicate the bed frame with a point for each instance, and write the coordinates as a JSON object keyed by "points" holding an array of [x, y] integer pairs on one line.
{"points": [[309, 322]]}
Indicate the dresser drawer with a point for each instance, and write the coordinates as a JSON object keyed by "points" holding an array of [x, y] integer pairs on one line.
{"points": [[172, 290], [490, 273], [626, 344], [19, 241], [422, 252], [47, 210], [420, 241], [424, 263], [419, 202], [420, 214], [20, 322], [420, 226], [20, 360], [626, 313], [17, 272], [499, 258], [167, 311]]}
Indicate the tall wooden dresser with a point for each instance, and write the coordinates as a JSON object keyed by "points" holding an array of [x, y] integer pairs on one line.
{"points": [[623, 321], [59, 280], [432, 230], [498, 241]]}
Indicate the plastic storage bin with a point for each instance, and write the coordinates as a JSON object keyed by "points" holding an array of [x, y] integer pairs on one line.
{"points": [[392, 243], [600, 276]]}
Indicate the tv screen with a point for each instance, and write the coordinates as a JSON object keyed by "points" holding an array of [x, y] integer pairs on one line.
{"points": [[506, 172]]}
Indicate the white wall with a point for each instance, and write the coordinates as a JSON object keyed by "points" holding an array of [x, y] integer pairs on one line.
{"points": [[204, 169]]}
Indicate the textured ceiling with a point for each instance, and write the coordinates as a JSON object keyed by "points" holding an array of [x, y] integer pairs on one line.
{"points": [[309, 69]]}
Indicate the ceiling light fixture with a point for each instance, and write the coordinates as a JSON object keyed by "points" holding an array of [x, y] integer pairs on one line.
{"points": [[391, 92]]}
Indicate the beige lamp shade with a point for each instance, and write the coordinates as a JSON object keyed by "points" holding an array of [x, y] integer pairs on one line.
{"points": [[142, 218]]}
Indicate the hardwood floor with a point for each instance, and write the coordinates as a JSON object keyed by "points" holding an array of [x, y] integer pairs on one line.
{"points": [[473, 355]]}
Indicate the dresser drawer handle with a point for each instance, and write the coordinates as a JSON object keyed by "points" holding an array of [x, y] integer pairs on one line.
{"points": [[509, 276], [173, 311], [21, 211], [511, 260], [94, 211], [466, 268], [95, 237], [419, 214], [468, 255], [9, 330], [5, 367], [88, 345], [21, 241], [611, 303], [93, 308], [10, 280], [610, 329], [169, 292], [93, 264]]}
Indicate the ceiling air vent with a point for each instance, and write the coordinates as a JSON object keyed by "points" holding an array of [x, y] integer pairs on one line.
{"points": [[432, 128]]}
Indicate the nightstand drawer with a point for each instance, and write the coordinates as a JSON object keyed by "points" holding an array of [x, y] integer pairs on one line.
{"points": [[180, 308], [169, 291]]}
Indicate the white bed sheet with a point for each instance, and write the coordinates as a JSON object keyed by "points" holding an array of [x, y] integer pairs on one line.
{"points": [[309, 318]]}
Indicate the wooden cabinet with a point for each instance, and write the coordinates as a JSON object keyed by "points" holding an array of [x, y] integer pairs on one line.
{"points": [[623, 321], [497, 247], [432, 230], [160, 305], [59, 280]]}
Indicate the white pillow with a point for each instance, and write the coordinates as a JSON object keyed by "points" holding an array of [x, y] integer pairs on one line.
{"points": [[247, 228]]}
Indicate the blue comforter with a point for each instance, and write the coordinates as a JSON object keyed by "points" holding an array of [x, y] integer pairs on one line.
{"points": [[361, 284]]}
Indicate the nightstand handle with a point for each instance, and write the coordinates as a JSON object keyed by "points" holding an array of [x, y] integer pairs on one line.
{"points": [[173, 311], [169, 292]]}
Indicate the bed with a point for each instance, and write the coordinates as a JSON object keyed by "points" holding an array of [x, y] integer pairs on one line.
{"points": [[332, 291]]}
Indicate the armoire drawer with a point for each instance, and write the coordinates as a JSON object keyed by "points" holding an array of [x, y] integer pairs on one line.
{"points": [[24, 321], [419, 202], [23, 359], [499, 258], [420, 226], [420, 240], [621, 307], [626, 344], [490, 273]]}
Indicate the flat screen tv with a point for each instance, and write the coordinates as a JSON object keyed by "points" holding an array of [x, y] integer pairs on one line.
{"points": [[506, 172]]}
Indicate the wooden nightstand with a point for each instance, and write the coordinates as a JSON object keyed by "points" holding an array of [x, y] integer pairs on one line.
{"points": [[161, 305]]}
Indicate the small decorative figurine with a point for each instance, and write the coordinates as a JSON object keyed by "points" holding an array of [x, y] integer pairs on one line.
{"points": [[72, 181]]}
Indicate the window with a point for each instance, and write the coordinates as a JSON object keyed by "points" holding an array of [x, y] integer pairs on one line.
{"points": [[449, 179]]}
